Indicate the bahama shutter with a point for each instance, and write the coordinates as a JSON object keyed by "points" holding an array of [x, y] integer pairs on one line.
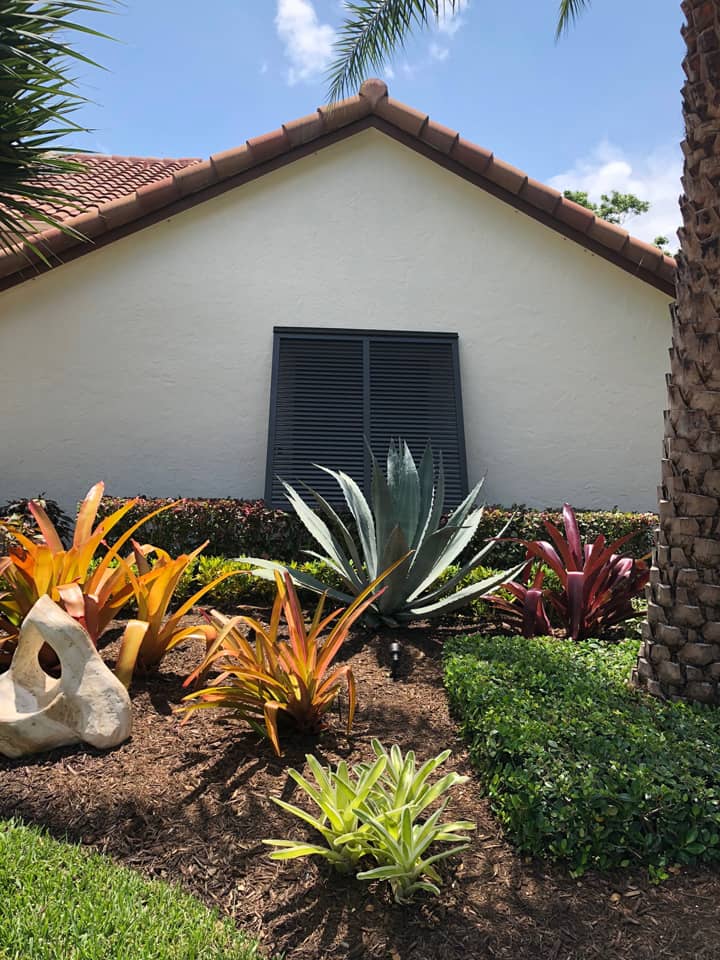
{"points": [[317, 414], [415, 394], [331, 389]]}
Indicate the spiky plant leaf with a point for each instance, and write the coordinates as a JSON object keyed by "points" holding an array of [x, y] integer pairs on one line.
{"points": [[373, 31]]}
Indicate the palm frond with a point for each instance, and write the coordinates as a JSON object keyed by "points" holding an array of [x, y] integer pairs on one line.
{"points": [[38, 95], [568, 13], [372, 32]]}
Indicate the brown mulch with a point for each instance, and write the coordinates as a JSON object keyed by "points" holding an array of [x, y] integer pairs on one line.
{"points": [[191, 804]]}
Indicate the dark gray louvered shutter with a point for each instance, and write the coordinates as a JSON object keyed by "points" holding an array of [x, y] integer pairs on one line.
{"points": [[317, 415], [414, 394], [330, 389]]}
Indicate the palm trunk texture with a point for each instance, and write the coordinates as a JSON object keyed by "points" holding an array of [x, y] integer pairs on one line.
{"points": [[680, 654]]}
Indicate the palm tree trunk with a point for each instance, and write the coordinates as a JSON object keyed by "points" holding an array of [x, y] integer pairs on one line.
{"points": [[680, 654]]}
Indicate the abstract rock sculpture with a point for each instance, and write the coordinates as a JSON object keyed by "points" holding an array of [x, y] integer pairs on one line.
{"points": [[87, 703]]}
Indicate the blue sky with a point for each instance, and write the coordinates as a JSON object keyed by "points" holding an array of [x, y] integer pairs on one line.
{"points": [[598, 110]]}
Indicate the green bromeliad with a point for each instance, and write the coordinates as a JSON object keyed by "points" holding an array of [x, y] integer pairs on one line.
{"points": [[372, 813]]}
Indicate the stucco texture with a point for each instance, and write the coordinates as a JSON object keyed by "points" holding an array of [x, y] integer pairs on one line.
{"points": [[147, 363]]}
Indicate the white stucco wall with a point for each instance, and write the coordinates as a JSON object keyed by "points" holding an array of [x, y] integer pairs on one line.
{"points": [[147, 363]]}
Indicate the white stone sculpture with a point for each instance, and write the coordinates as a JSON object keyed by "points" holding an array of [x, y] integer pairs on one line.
{"points": [[87, 703]]}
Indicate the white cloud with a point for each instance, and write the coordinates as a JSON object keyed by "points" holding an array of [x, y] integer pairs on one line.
{"points": [[437, 52], [450, 20], [308, 43], [654, 177]]}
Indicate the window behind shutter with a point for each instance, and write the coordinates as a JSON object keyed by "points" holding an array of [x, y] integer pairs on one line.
{"points": [[333, 388], [413, 395], [318, 414]]}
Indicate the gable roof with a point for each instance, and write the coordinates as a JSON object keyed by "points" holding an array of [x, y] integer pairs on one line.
{"points": [[125, 194]]}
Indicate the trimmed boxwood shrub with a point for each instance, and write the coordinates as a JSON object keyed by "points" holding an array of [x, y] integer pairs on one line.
{"points": [[233, 527], [579, 767], [249, 528]]}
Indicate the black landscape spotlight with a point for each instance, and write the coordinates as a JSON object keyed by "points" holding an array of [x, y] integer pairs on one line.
{"points": [[394, 659]]}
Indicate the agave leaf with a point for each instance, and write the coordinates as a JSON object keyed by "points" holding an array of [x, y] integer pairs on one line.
{"points": [[404, 485], [459, 515], [382, 506], [434, 555], [353, 584], [426, 474], [335, 518], [446, 588], [396, 548], [265, 570], [434, 515], [360, 510], [319, 529], [480, 589]]}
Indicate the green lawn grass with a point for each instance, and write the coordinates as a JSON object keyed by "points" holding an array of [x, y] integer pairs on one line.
{"points": [[59, 902]]}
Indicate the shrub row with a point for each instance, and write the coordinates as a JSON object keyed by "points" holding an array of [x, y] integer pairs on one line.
{"points": [[253, 591], [249, 528], [579, 767]]}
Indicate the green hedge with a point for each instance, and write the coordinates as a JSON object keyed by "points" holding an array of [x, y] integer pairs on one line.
{"points": [[253, 591], [579, 767], [249, 528], [233, 527]]}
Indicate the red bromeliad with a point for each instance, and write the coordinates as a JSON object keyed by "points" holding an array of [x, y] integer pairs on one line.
{"points": [[597, 585]]}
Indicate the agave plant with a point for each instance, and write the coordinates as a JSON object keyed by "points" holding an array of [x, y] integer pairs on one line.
{"points": [[597, 584], [402, 520]]}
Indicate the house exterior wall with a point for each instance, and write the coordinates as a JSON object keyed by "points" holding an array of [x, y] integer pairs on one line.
{"points": [[147, 363]]}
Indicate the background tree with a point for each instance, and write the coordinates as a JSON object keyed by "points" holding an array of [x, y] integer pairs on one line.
{"points": [[38, 95], [680, 655], [616, 207]]}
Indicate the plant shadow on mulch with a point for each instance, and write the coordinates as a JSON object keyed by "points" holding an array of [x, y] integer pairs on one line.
{"points": [[191, 803]]}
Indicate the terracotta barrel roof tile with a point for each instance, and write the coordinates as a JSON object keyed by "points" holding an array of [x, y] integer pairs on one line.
{"points": [[505, 175], [571, 213], [269, 145], [304, 129], [194, 178], [338, 115], [471, 156], [228, 163], [609, 234], [440, 137], [540, 196], [401, 116]]}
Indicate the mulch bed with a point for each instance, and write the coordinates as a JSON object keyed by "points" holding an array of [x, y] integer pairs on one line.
{"points": [[191, 804]]}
